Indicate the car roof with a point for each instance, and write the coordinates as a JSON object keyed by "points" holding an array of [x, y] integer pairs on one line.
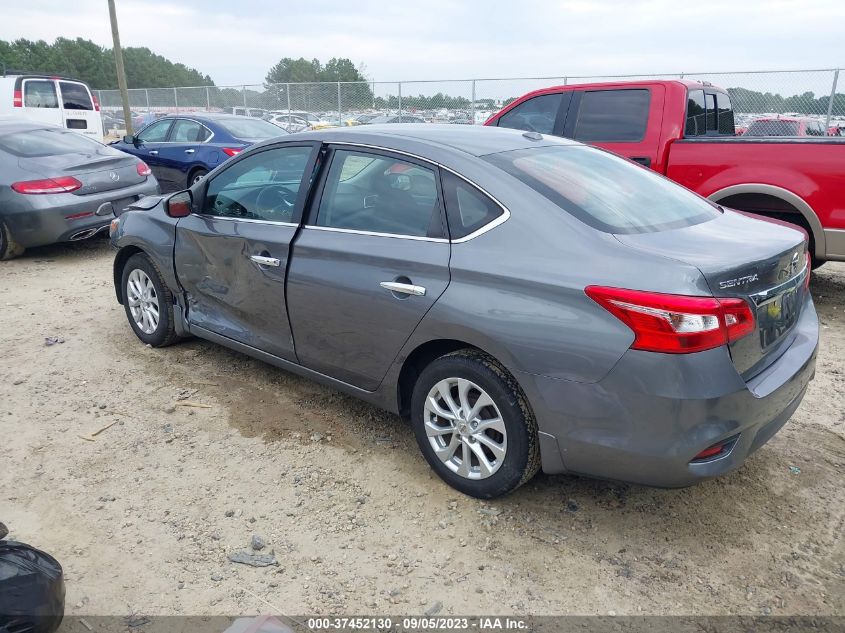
{"points": [[211, 116], [423, 138]]}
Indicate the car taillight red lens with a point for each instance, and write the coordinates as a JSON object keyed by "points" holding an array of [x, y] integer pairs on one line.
{"points": [[231, 151], [676, 324], [17, 99], [143, 169], [63, 184], [96, 103]]}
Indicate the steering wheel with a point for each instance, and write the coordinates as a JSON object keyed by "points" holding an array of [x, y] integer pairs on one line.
{"points": [[275, 199]]}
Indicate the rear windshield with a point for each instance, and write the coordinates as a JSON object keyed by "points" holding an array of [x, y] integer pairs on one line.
{"points": [[250, 128], [607, 192], [772, 128], [75, 96], [47, 142]]}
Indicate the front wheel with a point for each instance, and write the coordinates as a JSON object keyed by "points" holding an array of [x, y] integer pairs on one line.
{"points": [[474, 426], [148, 302]]}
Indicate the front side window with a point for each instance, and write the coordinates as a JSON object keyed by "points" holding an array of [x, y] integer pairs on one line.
{"points": [[39, 93], [75, 96], [187, 131], [155, 132], [535, 115], [612, 115], [380, 194], [263, 186], [605, 191], [467, 208]]}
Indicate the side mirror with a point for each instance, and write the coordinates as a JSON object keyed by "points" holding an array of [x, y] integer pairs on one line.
{"points": [[129, 139], [180, 205]]}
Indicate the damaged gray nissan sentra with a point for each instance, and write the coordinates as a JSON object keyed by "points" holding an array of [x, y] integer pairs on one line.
{"points": [[526, 301]]}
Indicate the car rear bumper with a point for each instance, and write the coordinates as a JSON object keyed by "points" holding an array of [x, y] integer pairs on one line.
{"points": [[47, 219], [653, 413]]}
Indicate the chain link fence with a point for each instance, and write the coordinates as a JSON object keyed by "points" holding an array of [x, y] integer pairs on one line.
{"points": [[808, 93]]}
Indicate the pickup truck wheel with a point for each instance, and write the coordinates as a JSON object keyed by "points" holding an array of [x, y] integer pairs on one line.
{"points": [[474, 426], [8, 247], [148, 302]]}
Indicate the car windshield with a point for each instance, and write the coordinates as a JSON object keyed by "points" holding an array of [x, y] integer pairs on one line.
{"points": [[248, 128], [772, 127], [47, 142], [607, 192]]}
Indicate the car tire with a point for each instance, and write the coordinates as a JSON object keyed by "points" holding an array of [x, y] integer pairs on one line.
{"points": [[148, 302], [8, 247], [510, 444], [195, 176]]}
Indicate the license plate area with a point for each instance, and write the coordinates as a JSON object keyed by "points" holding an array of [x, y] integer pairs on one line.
{"points": [[76, 124], [777, 315]]}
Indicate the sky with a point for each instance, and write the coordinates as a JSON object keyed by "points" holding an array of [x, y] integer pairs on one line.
{"points": [[237, 41]]}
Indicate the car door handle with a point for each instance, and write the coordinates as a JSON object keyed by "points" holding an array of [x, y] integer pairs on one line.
{"points": [[405, 289], [154, 152], [265, 261], [190, 151]]}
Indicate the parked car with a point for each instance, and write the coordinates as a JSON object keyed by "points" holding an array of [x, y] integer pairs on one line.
{"points": [[256, 113], [58, 186], [288, 122], [785, 126], [555, 305], [395, 118], [181, 149], [685, 130], [61, 101]]}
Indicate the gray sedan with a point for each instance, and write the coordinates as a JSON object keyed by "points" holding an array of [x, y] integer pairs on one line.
{"points": [[525, 301], [57, 185]]}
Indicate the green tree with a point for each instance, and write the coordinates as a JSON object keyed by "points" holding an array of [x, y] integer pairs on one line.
{"points": [[315, 97]]}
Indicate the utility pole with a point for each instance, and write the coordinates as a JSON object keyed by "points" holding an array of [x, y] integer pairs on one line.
{"points": [[121, 73]]}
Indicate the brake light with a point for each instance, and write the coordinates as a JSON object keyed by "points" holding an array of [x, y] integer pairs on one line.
{"points": [[96, 102], [63, 184], [676, 324], [231, 151], [17, 99], [143, 169]]}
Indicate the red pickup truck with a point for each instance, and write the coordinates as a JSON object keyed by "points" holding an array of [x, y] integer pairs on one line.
{"points": [[685, 131]]}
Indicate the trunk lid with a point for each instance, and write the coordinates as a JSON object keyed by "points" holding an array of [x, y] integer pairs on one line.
{"points": [[741, 255], [105, 169]]}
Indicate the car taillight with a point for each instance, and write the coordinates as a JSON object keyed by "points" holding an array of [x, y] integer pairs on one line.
{"points": [[17, 99], [676, 324], [96, 103], [143, 169], [231, 151], [63, 184]]}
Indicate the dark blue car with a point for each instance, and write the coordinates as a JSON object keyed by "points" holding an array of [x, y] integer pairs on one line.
{"points": [[182, 148]]}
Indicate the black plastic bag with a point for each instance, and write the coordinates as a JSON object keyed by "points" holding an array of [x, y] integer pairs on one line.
{"points": [[32, 589]]}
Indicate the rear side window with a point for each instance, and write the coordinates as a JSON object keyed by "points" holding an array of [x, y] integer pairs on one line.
{"points": [[605, 191], [467, 208], [75, 96], [47, 142], [710, 116], [187, 131], [612, 115], [535, 115], [39, 94], [695, 125]]}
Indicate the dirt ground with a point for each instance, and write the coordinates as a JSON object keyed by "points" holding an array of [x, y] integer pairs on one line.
{"points": [[144, 517]]}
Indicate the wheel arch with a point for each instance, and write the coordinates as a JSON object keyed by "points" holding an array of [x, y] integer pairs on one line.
{"points": [[120, 260], [760, 192]]}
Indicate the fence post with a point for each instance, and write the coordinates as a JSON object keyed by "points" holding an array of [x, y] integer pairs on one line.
{"points": [[830, 103], [472, 107], [287, 91], [147, 95], [243, 92], [400, 102], [339, 115], [565, 80], [176, 100], [207, 100]]}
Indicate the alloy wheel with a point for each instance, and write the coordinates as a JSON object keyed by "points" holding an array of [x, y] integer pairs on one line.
{"points": [[465, 428], [143, 301]]}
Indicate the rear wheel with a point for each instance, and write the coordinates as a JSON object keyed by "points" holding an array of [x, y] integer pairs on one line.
{"points": [[474, 426], [196, 175], [148, 302], [8, 247]]}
